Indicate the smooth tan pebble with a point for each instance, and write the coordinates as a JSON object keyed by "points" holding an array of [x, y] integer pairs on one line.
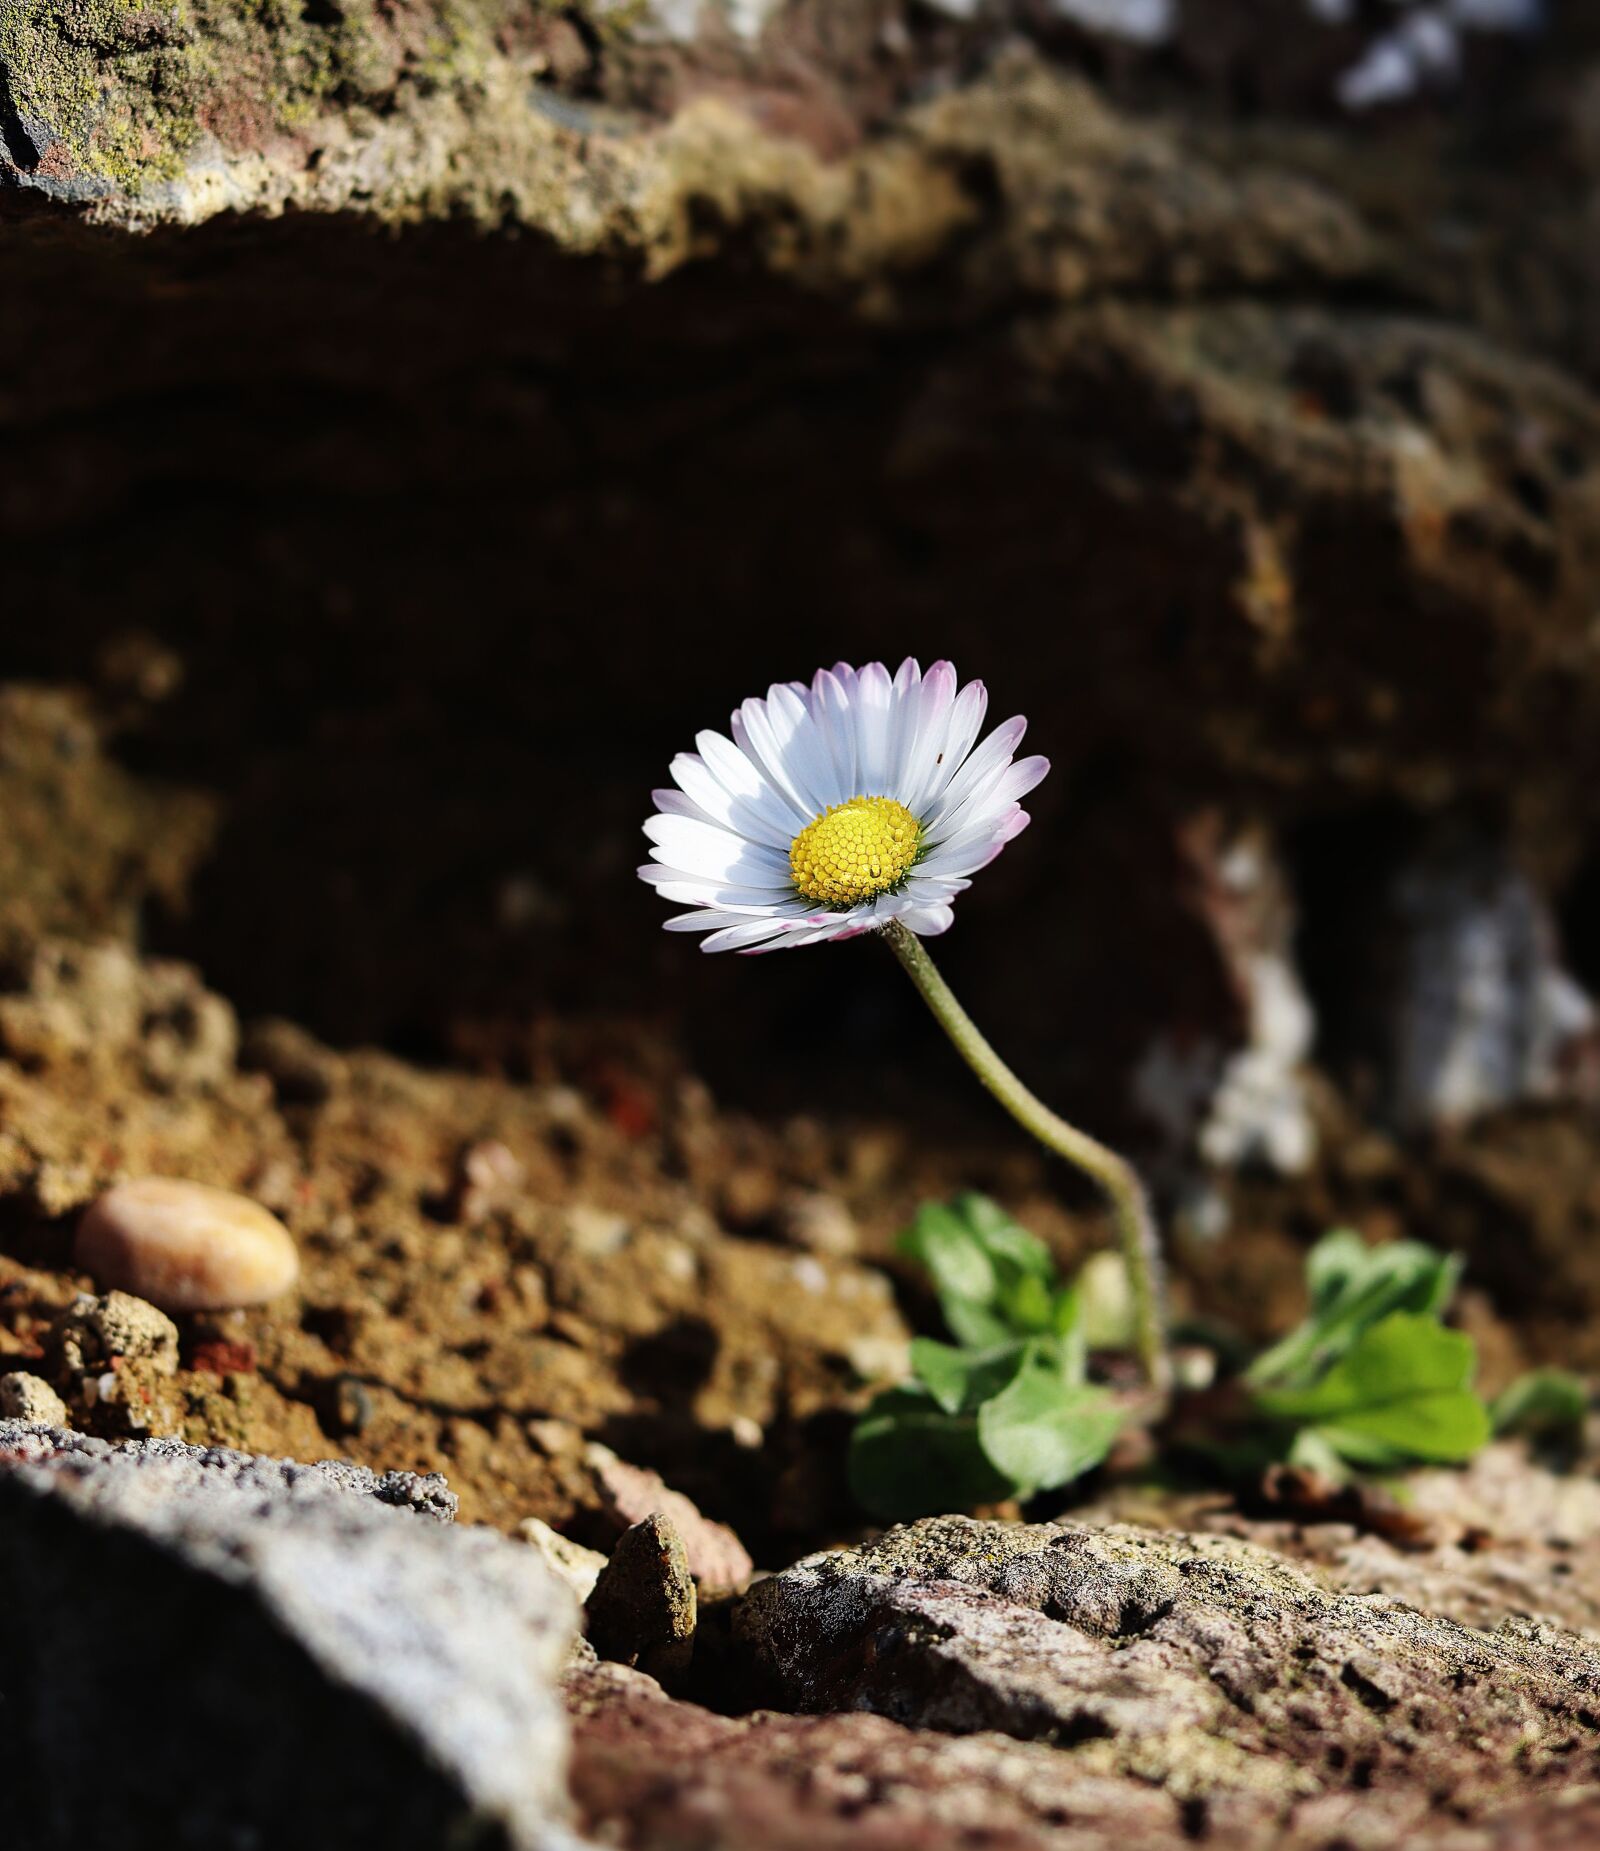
{"points": [[186, 1246]]}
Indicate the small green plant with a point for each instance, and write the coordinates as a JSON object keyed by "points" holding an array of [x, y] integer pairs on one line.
{"points": [[1545, 1404], [1372, 1380], [1004, 1411]]}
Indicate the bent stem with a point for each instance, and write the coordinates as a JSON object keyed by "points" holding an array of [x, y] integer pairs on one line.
{"points": [[1141, 1249]]}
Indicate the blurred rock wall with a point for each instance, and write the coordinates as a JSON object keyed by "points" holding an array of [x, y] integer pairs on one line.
{"points": [[420, 419]]}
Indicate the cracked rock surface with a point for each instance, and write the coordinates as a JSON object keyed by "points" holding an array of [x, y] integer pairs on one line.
{"points": [[1260, 1701]]}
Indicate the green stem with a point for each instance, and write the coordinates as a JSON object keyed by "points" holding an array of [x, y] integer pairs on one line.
{"points": [[1141, 1248]]}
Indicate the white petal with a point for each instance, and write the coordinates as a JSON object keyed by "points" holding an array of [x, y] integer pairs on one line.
{"points": [[995, 752], [668, 879], [965, 723], [902, 723], [706, 919], [928, 736], [764, 738], [835, 723], [874, 694], [929, 921], [719, 805], [805, 750], [967, 853], [938, 887], [675, 803], [991, 798], [739, 937], [692, 890], [742, 777], [702, 848], [811, 932]]}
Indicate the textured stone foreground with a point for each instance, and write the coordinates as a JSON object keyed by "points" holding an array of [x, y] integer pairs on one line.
{"points": [[1266, 1708], [248, 1645], [200, 1648]]}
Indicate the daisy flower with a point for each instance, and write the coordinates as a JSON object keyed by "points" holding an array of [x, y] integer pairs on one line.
{"points": [[861, 800], [864, 803]]}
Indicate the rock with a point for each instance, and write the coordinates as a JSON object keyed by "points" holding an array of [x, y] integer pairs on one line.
{"points": [[580, 1568], [1488, 1545], [116, 1359], [266, 1650], [85, 846], [96, 1004], [642, 1610], [488, 1177], [93, 1333], [649, 1770], [302, 1070], [716, 1557], [1222, 1674], [819, 1222], [32, 1401], [186, 1246]]}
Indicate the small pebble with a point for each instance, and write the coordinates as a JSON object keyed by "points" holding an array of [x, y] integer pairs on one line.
{"points": [[92, 1331], [642, 1610], [488, 1177], [352, 1408], [810, 1275], [716, 1558], [820, 1223], [186, 1246], [595, 1234], [580, 1568], [30, 1398], [748, 1196]]}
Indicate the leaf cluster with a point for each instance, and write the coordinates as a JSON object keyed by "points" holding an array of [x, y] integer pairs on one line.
{"points": [[1374, 1381], [1004, 1411]]}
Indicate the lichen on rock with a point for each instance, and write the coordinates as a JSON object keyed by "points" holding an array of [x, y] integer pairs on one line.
{"points": [[1227, 1676]]}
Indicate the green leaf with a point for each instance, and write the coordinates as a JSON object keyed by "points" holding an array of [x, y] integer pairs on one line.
{"points": [[1337, 1261], [1400, 1393], [1026, 1303], [1002, 1237], [1544, 1404], [1003, 1410], [1042, 1432], [909, 1458], [1066, 1312], [993, 1278], [956, 1259], [959, 1379], [1353, 1288]]}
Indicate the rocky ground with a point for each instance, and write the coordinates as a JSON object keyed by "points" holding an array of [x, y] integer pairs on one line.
{"points": [[419, 420]]}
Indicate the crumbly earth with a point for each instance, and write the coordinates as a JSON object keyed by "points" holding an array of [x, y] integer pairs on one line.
{"points": [[490, 1272]]}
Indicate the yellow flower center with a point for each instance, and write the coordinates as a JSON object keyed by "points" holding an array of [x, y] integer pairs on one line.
{"points": [[855, 851]]}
